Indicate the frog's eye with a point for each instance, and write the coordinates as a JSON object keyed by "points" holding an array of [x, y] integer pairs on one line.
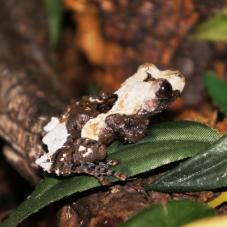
{"points": [[165, 91]]}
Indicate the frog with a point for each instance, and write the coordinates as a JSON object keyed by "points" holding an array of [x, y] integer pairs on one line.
{"points": [[76, 142]]}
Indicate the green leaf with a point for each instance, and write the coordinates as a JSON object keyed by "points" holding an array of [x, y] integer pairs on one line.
{"points": [[55, 14], [48, 191], [173, 214], [206, 171], [217, 89], [214, 29], [163, 144], [93, 89]]}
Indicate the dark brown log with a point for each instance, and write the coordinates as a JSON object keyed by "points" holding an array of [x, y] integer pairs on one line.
{"points": [[30, 90]]}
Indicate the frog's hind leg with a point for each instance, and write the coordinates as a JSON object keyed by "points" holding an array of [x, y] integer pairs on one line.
{"points": [[101, 170]]}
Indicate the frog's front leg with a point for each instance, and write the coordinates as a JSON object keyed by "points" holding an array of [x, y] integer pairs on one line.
{"points": [[129, 129]]}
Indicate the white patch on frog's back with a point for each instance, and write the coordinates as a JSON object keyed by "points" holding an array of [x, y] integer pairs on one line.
{"points": [[82, 148], [56, 136], [45, 162], [55, 139], [57, 172], [51, 124], [94, 127], [134, 95], [87, 153], [94, 100]]}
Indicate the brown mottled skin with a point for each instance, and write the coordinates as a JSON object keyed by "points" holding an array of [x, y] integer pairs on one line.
{"points": [[128, 129]]}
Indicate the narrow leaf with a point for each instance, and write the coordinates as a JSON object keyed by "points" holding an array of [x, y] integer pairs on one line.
{"points": [[214, 29], [163, 144], [55, 14], [217, 89], [206, 171], [173, 214], [222, 198]]}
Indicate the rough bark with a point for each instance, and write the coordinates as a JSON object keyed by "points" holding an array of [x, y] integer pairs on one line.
{"points": [[30, 90]]}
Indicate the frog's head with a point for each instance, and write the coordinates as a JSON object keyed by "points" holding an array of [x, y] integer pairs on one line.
{"points": [[167, 84], [152, 89], [168, 81]]}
